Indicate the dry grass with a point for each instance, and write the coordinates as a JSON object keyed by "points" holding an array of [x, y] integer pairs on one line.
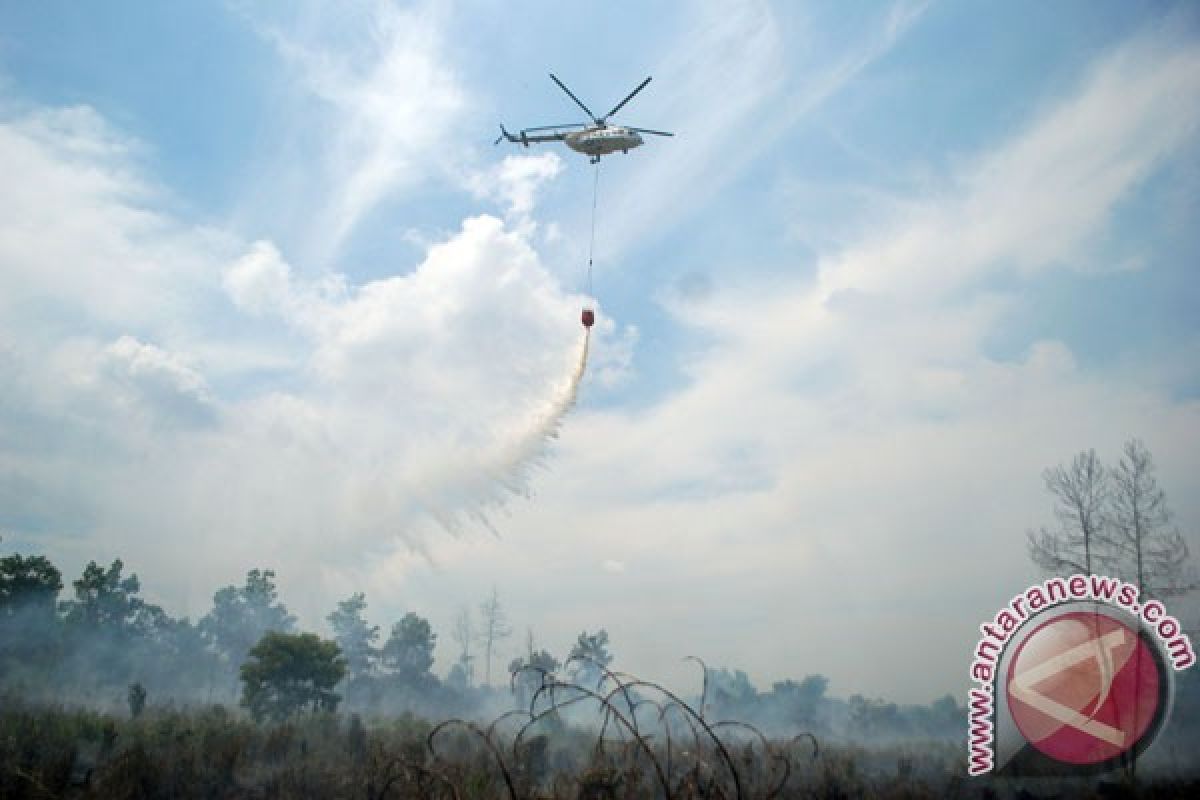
{"points": [[643, 742]]}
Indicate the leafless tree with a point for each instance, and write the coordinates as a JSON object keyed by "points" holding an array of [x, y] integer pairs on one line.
{"points": [[1081, 495], [1146, 547], [494, 627], [1114, 520], [464, 635]]}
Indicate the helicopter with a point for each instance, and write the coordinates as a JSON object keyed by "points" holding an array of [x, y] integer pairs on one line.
{"points": [[593, 140]]}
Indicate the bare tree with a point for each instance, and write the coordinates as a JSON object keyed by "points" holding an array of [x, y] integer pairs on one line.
{"points": [[1081, 494], [1117, 520], [494, 627], [1139, 533], [464, 635]]}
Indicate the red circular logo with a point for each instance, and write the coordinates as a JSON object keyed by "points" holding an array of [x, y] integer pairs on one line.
{"points": [[1084, 688]]}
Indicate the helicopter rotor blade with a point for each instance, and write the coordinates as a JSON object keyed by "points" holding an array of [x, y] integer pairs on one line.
{"points": [[556, 127], [578, 102], [628, 97], [648, 130]]}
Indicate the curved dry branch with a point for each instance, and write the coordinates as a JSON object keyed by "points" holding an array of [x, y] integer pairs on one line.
{"points": [[816, 747], [554, 707], [491, 746], [737, 781], [585, 693], [608, 674], [768, 752], [516, 712], [704, 687], [432, 773]]}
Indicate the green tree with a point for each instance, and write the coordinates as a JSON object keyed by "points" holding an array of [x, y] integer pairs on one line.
{"points": [[874, 717], [242, 615], [110, 634], [530, 672], [587, 656], [182, 663], [457, 678], [355, 637], [408, 652], [357, 640], [107, 603], [29, 589], [731, 694], [28, 583], [801, 703], [288, 673]]}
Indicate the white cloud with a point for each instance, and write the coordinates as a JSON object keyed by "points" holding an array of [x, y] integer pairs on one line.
{"points": [[828, 449], [159, 381], [733, 82], [392, 102], [79, 232], [516, 181], [260, 280], [393, 413], [844, 470], [1039, 200]]}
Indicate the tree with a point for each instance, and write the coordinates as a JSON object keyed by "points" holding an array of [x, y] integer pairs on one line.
{"points": [[1081, 493], [530, 672], [1147, 549], [356, 639], [588, 655], [241, 616], [29, 589], [464, 635], [456, 678], [408, 652], [137, 700], [110, 634], [731, 694], [872, 717], [287, 673], [28, 583], [183, 661], [802, 703], [107, 603], [1115, 520], [494, 628]]}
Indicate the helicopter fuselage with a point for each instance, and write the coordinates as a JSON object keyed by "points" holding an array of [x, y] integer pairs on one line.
{"points": [[603, 140]]}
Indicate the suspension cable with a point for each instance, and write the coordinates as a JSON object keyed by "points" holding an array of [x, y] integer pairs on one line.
{"points": [[592, 244]]}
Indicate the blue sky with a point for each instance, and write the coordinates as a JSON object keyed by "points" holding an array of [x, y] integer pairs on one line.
{"points": [[270, 297]]}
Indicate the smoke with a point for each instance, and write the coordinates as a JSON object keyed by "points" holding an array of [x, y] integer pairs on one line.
{"points": [[527, 450]]}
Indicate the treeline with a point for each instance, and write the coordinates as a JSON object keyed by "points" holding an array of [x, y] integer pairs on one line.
{"points": [[102, 645], [804, 705]]}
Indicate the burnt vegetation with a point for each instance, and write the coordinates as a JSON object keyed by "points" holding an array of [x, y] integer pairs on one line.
{"points": [[105, 695]]}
